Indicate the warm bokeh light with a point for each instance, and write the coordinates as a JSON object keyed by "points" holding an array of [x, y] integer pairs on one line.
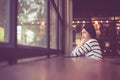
{"points": [[73, 21], [107, 21], [74, 26], [107, 44], [83, 21], [101, 21], [97, 28], [118, 28], [78, 21]]}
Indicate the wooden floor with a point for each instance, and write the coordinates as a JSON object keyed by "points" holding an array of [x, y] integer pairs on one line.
{"points": [[61, 68]]}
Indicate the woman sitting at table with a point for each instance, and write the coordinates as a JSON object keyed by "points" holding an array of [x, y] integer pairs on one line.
{"points": [[88, 45]]}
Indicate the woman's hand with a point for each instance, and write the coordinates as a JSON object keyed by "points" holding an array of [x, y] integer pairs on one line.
{"points": [[82, 42]]}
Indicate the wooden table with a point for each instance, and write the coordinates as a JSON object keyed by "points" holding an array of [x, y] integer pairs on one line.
{"points": [[61, 68]]}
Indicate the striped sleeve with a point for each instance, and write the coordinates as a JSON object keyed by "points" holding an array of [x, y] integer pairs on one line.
{"points": [[92, 54], [96, 50], [83, 50], [94, 45]]}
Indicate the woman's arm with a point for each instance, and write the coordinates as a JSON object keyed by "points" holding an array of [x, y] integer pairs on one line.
{"points": [[82, 49]]}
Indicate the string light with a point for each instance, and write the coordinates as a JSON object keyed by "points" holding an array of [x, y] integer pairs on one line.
{"points": [[78, 21], [73, 21], [83, 21], [107, 21], [101, 21]]}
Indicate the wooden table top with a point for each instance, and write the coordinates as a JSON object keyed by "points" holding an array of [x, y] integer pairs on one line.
{"points": [[61, 68]]}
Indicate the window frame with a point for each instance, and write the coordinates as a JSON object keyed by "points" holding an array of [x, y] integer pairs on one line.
{"points": [[11, 51]]}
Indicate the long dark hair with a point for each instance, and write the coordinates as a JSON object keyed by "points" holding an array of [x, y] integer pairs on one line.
{"points": [[91, 30]]}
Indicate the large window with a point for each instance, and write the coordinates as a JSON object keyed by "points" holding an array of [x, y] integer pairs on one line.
{"points": [[4, 21], [32, 20], [53, 28], [30, 26]]}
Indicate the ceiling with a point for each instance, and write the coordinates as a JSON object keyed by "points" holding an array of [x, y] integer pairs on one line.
{"points": [[95, 8]]}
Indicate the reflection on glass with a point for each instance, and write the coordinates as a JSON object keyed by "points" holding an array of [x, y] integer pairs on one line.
{"points": [[31, 29], [3, 21], [53, 28], [1, 33], [97, 28], [56, 2], [60, 7]]}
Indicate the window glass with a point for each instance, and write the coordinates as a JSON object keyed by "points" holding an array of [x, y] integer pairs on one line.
{"points": [[60, 35], [60, 7], [56, 2], [32, 29], [53, 28], [4, 21]]}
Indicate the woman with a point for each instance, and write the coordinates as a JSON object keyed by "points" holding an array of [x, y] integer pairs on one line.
{"points": [[88, 45]]}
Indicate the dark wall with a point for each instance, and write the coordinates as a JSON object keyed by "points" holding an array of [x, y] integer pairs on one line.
{"points": [[86, 8]]}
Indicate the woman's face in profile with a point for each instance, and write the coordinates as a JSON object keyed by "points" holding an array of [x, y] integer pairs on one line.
{"points": [[85, 34]]}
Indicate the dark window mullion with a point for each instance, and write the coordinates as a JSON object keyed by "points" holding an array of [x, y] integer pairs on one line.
{"points": [[48, 24], [13, 22], [63, 28], [58, 27]]}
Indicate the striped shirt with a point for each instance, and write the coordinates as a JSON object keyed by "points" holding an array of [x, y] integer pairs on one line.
{"points": [[90, 49]]}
